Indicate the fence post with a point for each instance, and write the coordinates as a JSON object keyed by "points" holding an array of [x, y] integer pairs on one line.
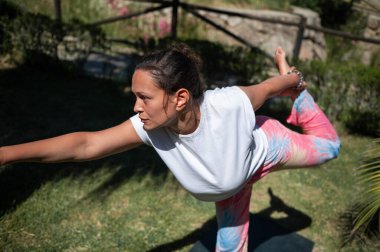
{"points": [[174, 19], [57, 10], [298, 43]]}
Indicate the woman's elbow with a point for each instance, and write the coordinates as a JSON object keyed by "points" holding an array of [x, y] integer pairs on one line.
{"points": [[84, 149]]}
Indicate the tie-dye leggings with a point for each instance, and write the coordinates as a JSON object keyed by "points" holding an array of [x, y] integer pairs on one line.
{"points": [[318, 144]]}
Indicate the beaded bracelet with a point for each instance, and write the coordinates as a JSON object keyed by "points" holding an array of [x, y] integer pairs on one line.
{"points": [[300, 77]]}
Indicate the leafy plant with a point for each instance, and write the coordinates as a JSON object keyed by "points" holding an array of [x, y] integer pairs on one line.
{"points": [[30, 37], [8, 12], [369, 175], [333, 13], [361, 224], [222, 65], [347, 92]]}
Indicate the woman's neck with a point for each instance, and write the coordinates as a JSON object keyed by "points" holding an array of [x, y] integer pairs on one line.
{"points": [[189, 119]]}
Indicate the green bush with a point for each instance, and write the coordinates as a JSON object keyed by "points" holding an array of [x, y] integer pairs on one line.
{"points": [[29, 37], [349, 93], [230, 64], [222, 65], [8, 12], [360, 223], [333, 14]]}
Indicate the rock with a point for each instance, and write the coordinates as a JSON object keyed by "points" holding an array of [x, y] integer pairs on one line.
{"points": [[373, 22], [234, 21], [267, 35], [369, 50]]}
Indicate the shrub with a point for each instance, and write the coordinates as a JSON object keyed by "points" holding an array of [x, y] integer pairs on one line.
{"points": [[230, 65], [349, 93], [222, 65], [35, 36], [360, 223], [333, 13], [8, 12]]}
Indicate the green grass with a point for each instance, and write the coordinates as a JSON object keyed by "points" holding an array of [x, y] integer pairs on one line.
{"points": [[136, 217], [130, 202], [323, 193]]}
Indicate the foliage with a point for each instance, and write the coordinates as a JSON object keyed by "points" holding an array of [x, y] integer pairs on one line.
{"points": [[149, 26], [349, 93], [361, 112], [8, 11], [361, 223], [230, 65], [222, 65], [369, 175], [355, 23], [333, 13], [34, 37], [257, 4]]}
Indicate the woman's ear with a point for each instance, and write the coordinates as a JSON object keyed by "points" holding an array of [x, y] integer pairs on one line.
{"points": [[182, 97]]}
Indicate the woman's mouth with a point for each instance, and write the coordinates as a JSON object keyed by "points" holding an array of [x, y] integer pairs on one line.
{"points": [[143, 120]]}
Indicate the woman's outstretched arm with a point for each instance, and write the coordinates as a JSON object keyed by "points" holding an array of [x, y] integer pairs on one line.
{"points": [[77, 146]]}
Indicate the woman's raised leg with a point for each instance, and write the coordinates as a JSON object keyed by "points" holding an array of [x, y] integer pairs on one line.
{"points": [[318, 144]]}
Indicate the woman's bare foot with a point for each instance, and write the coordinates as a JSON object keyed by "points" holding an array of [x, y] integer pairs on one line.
{"points": [[280, 61], [283, 68]]}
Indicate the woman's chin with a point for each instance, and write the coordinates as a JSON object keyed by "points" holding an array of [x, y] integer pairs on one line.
{"points": [[148, 127]]}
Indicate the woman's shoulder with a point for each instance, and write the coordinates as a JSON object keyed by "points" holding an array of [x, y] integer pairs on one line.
{"points": [[227, 103], [224, 96]]}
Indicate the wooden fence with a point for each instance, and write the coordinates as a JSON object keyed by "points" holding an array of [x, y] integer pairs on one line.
{"points": [[194, 10]]}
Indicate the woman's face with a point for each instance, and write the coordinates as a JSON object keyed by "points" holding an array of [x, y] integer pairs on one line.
{"points": [[155, 108]]}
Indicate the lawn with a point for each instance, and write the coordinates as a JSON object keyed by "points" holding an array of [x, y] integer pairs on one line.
{"points": [[130, 202]]}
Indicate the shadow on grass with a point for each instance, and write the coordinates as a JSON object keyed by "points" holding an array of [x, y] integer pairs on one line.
{"points": [[37, 105], [265, 233]]}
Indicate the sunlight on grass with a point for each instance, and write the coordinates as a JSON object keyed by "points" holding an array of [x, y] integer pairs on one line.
{"points": [[130, 202], [138, 216], [143, 214]]}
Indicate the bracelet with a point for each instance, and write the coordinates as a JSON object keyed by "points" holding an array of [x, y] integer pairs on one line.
{"points": [[300, 78]]}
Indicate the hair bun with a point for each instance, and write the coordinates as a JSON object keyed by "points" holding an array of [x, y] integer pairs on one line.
{"points": [[187, 52], [175, 67]]}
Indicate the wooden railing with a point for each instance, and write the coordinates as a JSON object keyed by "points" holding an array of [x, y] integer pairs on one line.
{"points": [[194, 10]]}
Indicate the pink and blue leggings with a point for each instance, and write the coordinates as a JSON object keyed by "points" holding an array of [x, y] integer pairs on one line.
{"points": [[318, 144]]}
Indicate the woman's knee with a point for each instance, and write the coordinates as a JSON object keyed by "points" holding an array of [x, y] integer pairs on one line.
{"points": [[335, 148], [328, 150]]}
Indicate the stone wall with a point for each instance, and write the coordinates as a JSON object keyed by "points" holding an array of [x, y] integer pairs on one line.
{"points": [[370, 51], [267, 36]]}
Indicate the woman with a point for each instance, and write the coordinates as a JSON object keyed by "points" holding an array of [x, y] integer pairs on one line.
{"points": [[211, 140]]}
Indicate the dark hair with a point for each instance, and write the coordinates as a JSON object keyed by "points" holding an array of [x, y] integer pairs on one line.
{"points": [[173, 68]]}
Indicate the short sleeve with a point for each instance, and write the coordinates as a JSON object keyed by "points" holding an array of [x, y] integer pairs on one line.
{"points": [[247, 105], [138, 126], [233, 101]]}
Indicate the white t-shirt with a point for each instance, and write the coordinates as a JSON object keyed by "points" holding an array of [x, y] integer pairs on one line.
{"points": [[221, 155]]}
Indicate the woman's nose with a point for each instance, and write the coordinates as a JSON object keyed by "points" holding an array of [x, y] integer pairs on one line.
{"points": [[137, 108]]}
